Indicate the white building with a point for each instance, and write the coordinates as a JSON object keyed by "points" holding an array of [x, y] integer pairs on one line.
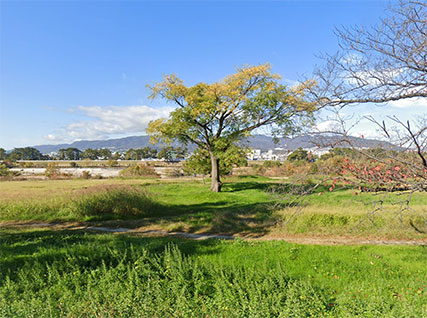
{"points": [[254, 154]]}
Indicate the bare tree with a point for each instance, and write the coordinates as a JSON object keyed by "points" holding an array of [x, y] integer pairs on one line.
{"points": [[381, 64], [384, 63]]}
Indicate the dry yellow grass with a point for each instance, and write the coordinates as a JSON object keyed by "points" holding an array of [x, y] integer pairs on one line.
{"points": [[45, 189], [245, 207]]}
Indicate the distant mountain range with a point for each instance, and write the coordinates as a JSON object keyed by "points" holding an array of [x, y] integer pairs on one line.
{"points": [[315, 140], [257, 141]]}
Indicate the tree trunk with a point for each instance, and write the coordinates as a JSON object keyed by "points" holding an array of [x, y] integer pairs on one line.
{"points": [[216, 183]]}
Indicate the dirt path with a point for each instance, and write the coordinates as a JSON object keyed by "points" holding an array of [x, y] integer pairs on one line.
{"points": [[150, 232]]}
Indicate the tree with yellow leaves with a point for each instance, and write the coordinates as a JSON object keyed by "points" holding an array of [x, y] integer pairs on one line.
{"points": [[217, 116]]}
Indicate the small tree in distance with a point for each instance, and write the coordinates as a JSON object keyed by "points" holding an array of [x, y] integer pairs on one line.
{"points": [[69, 154], [216, 116], [3, 154], [299, 154], [170, 153]]}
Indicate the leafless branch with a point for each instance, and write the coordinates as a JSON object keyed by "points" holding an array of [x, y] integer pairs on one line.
{"points": [[384, 63]]}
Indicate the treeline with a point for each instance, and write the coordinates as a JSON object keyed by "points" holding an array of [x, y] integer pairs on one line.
{"points": [[378, 153], [177, 153], [30, 153], [27, 153]]}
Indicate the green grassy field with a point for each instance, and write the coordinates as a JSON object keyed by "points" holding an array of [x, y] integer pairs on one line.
{"points": [[246, 207], [76, 274], [59, 273]]}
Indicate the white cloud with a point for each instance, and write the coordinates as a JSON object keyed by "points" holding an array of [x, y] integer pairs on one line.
{"points": [[366, 131], [109, 121], [410, 102], [353, 126], [328, 126], [50, 137]]}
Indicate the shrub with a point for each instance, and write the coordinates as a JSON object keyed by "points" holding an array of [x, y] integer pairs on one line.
{"points": [[4, 170], [274, 172], [314, 168], [28, 165], [285, 169], [139, 170], [112, 163], [52, 170], [87, 163], [173, 172], [271, 164], [9, 164], [331, 165], [259, 170], [289, 169], [298, 154], [86, 174]]}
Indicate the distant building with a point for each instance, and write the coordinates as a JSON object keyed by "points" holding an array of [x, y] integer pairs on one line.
{"points": [[254, 154], [318, 151], [281, 154]]}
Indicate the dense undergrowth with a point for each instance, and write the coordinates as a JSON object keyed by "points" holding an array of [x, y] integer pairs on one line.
{"points": [[71, 274]]}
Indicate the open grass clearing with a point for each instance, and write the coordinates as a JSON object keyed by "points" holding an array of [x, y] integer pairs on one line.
{"points": [[244, 208], [40, 190], [64, 274]]}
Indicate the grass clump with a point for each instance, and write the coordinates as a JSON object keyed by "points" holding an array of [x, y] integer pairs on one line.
{"points": [[139, 170], [118, 203], [108, 203], [52, 170]]}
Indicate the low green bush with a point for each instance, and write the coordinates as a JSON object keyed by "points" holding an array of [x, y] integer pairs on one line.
{"points": [[86, 174], [52, 170], [112, 163], [4, 171], [271, 164], [139, 170], [173, 172]]}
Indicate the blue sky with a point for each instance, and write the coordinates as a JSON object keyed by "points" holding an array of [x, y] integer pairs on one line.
{"points": [[78, 69]]}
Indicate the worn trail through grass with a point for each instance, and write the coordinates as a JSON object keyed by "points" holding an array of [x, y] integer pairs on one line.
{"points": [[147, 232], [246, 208], [65, 273]]}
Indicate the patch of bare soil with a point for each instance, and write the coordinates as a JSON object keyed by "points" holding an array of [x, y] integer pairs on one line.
{"points": [[136, 229], [341, 240]]}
